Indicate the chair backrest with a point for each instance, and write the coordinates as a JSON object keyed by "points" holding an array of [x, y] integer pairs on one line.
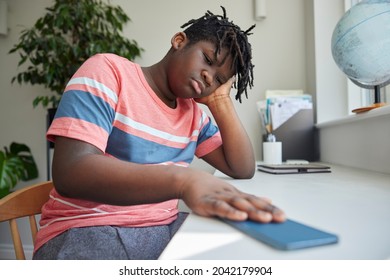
{"points": [[25, 202]]}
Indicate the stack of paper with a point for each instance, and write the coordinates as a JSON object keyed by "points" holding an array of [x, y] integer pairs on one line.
{"points": [[279, 106]]}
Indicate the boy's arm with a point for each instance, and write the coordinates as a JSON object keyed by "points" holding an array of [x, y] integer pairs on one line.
{"points": [[80, 170], [235, 157]]}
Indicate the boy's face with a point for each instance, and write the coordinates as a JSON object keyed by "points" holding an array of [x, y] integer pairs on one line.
{"points": [[194, 71]]}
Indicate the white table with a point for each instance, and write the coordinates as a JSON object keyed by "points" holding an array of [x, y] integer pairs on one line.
{"points": [[352, 203]]}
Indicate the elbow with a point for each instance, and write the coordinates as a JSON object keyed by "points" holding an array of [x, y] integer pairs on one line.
{"points": [[248, 173], [245, 176]]}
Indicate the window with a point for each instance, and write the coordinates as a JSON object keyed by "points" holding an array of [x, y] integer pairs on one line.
{"points": [[336, 95]]}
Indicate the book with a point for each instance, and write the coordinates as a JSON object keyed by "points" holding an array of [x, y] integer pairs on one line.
{"points": [[293, 168]]}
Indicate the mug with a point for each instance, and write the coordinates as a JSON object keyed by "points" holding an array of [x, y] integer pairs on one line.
{"points": [[272, 152]]}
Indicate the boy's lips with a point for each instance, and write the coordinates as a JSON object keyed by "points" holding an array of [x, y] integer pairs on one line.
{"points": [[198, 86]]}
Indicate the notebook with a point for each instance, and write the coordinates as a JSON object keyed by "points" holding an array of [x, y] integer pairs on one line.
{"points": [[289, 235], [293, 168]]}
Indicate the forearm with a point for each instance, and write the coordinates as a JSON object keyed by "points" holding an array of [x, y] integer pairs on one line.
{"points": [[237, 148]]}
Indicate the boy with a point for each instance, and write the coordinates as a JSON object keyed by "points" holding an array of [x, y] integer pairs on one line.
{"points": [[124, 136]]}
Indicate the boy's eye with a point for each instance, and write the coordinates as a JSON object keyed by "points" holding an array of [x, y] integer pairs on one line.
{"points": [[207, 59]]}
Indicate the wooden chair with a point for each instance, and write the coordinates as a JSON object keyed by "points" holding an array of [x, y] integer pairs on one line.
{"points": [[26, 202]]}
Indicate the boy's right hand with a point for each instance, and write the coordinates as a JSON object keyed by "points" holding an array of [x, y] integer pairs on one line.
{"points": [[209, 196]]}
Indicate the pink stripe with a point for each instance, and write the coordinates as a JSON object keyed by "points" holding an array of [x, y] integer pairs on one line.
{"points": [[209, 145], [95, 68]]}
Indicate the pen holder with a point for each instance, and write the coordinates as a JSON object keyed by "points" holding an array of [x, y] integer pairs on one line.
{"points": [[272, 152]]}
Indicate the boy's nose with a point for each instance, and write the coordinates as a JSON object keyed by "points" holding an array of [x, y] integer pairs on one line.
{"points": [[208, 78]]}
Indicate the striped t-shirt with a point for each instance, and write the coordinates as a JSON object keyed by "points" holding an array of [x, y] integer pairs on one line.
{"points": [[109, 104]]}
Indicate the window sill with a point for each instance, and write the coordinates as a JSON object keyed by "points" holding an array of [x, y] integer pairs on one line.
{"points": [[375, 113]]}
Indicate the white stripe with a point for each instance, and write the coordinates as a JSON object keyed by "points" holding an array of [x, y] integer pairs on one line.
{"points": [[155, 132], [73, 218], [95, 84], [77, 206], [202, 119], [182, 163]]}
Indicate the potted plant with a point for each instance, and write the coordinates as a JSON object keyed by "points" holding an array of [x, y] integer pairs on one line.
{"points": [[59, 42], [16, 163]]}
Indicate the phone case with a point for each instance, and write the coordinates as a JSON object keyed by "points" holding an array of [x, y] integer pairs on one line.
{"points": [[289, 235]]}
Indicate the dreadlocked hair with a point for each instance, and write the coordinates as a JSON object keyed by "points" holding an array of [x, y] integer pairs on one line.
{"points": [[222, 32]]}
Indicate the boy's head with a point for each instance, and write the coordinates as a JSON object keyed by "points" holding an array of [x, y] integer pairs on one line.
{"points": [[218, 30]]}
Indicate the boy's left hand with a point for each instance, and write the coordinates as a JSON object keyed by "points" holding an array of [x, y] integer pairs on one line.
{"points": [[222, 92]]}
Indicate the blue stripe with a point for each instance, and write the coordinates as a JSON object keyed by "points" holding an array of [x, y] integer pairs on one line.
{"points": [[207, 131], [135, 149], [85, 106]]}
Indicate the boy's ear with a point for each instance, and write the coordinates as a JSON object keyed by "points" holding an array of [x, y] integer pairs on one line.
{"points": [[178, 40]]}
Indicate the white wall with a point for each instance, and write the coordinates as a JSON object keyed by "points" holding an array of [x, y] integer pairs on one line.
{"points": [[278, 49], [331, 83], [361, 141]]}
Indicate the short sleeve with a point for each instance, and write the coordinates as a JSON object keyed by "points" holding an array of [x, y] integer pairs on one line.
{"points": [[209, 137], [87, 108]]}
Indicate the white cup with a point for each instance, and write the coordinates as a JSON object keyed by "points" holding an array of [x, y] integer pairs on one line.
{"points": [[272, 152]]}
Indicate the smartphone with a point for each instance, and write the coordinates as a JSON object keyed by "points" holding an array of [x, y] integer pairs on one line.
{"points": [[289, 235]]}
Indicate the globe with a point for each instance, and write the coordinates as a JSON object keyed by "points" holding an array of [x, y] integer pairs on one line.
{"points": [[361, 43]]}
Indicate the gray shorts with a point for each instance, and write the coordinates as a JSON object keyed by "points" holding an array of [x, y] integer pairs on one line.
{"points": [[110, 243]]}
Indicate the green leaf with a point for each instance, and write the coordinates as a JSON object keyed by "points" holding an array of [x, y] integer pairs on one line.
{"points": [[68, 34], [16, 163]]}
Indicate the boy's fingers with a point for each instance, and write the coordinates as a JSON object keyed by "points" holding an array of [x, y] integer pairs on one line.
{"points": [[231, 81], [226, 87], [265, 205], [222, 209], [239, 209], [257, 209]]}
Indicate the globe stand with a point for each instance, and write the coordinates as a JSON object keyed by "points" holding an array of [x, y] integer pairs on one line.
{"points": [[377, 102]]}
